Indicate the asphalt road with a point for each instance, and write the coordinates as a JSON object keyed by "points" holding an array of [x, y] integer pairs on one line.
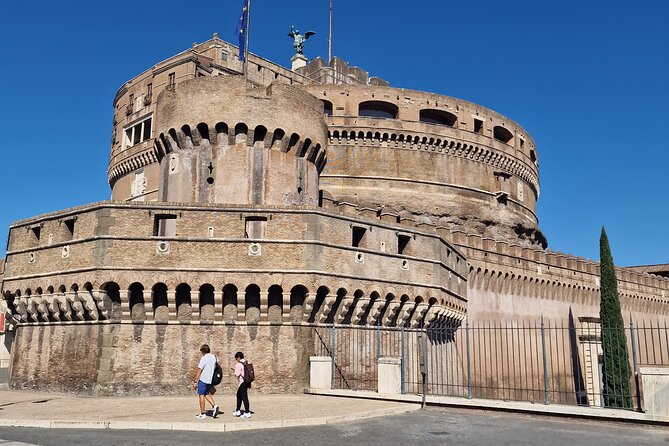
{"points": [[430, 427]]}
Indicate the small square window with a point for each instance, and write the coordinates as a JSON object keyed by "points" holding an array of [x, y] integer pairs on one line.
{"points": [[255, 227], [478, 126], [358, 236], [403, 244], [165, 225]]}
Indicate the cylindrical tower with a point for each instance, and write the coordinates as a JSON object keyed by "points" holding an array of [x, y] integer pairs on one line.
{"points": [[453, 162], [219, 142]]}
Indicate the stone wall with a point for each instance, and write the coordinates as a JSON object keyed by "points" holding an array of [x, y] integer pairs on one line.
{"points": [[109, 359]]}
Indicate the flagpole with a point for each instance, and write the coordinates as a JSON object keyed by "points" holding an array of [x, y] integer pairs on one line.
{"points": [[246, 47], [330, 36]]}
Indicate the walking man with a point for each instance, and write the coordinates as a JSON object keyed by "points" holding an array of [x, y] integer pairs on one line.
{"points": [[242, 389], [205, 390]]}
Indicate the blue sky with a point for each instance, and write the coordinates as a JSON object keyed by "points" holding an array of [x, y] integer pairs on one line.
{"points": [[588, 80]]}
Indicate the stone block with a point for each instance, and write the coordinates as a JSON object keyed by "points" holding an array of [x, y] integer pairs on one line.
{"points": [[390, 375], [655, 385], [320, 372]]}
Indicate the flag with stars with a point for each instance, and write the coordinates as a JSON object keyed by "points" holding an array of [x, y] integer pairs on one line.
{"points": [[242, 28]]}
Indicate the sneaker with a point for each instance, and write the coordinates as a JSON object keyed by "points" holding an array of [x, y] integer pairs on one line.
{"points": [[214, 412], [236, 413], [245, 415], [201, 416]]}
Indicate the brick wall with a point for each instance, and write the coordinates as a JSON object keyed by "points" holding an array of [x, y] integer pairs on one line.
{"points": [[106, 359]]}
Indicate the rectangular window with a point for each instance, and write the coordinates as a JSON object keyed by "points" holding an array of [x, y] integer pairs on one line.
{"points": [[255, 227], [171, 80], [69, 226], [478, 126], [37, 231], [224, 56], [403, 244], [138, 132], [358, 236], [165, 225], [149, 90]]}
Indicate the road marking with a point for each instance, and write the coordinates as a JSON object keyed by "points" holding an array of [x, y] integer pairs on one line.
{"points": [[14, 443]]}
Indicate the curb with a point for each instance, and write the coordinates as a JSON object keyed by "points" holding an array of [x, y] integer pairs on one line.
{"points": [[206, 426], [553, 410]]}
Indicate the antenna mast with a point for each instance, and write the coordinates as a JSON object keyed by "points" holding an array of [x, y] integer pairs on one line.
{"points": [[330, 36]]}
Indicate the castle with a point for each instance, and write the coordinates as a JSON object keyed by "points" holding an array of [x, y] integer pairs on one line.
{"points": [[246, 209]]}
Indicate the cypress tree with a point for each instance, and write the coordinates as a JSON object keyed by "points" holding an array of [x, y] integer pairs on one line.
{"points": [[616, 369]]}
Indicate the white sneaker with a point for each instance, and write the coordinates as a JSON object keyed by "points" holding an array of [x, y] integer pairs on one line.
{"points": [[236, 413], [245, 415], [201, 416], [214, 412]]}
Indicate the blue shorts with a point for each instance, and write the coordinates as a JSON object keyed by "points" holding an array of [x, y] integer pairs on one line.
{"points": [[203, 388]]}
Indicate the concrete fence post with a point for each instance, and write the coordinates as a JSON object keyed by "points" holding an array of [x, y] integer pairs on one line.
{"points": [[390, 375], [320, 372]]}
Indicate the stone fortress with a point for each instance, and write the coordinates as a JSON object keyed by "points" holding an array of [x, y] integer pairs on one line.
{"points": [[245, 211]]}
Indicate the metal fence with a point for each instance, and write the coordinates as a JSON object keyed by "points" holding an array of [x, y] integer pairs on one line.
{"points": [[541, 362]]}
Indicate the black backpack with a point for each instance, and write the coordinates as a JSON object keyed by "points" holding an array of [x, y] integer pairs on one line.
{"points": [[217, 377]]}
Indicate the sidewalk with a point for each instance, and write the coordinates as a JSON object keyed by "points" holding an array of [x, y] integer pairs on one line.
{"points": [[48, 410], [559, 410]]}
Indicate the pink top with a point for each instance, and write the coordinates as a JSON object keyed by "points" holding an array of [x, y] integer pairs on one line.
{"points": [[239, 371]]}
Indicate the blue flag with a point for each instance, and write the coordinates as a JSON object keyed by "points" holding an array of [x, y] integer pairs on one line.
{"points": [[242, 29]]}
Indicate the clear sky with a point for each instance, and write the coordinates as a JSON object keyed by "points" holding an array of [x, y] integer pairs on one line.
{"points": [[587, 79]]}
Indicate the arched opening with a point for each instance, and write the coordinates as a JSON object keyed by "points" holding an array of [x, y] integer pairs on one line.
{"points": [[318, 302], [341, 294], [373, 299], [136, 302], [327, 107], [259, 136], [304, 148], [241, 133], [222, 134], [378, 109], [186, 132], [294, 139], [229, 303], [502, 134], [404, 300], [353, 309], [183, 302], [252, 304], [297, 296], [277, 137], [113, 301], [161, 311], [207, 302], [203, 130], [275, 303], [439, 117]]}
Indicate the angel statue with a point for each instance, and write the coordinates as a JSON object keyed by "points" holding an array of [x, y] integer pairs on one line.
{"points": [[299, 39]]}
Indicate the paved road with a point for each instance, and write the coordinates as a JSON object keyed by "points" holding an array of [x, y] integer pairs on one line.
{"points": [[430, 427]]}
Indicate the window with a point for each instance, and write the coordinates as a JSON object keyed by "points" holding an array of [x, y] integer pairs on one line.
{"points": [[69, 226], [439, 117], [403, 243], [378, 109], [478, 125], [327, 107], [502, 134], [171, 81], [149, 89], [358, 236], [165, 225], [224, 56], [138, 132], [37, 231], [255, 227]]}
